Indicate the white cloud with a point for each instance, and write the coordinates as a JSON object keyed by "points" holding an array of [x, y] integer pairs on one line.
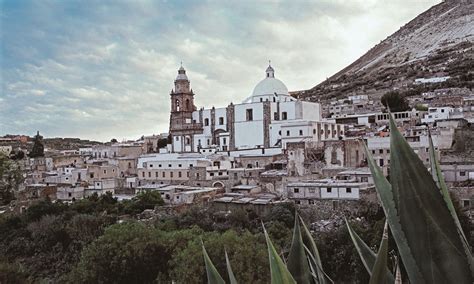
{"points": [[105, 70]]}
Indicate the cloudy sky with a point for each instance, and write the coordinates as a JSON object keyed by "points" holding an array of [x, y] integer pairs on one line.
{"points": [[104, 69]]}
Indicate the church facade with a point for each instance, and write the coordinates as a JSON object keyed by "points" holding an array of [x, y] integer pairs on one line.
{"points": [[268, 119]]}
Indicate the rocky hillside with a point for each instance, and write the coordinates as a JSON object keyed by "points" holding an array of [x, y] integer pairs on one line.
{"points": [[437, 43]]}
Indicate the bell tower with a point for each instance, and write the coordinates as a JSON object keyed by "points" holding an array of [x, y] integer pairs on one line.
{"points": [[182, 126]]}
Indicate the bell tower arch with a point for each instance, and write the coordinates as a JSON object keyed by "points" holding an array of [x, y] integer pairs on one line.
{"points": [[182, 126]]}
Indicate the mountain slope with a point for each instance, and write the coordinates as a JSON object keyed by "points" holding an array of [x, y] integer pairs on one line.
{"points": [[437, 43]]}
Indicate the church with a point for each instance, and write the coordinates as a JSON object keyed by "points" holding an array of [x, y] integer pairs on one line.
{"points": [[265, 121]]}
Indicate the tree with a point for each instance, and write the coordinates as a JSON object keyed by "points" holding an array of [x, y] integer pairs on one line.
{"points": [[162, 143], [394, 101], [10, 179], [38, 147], [113, 140], [144, 200], [126, 253]]}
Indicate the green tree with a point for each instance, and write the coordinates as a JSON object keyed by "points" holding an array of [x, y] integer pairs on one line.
{"points": [[394, 101], [126, 253], [38, 147], [10, 179], [144, 200]]}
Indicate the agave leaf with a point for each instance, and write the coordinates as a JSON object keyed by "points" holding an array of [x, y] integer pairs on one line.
{"points": [[366, 254], [439, 179], [315, 269], [311, 244], [387, 199], [297, 262], [279, 272], [379, 273], [431, 232], [229, 270], [213, 276]]}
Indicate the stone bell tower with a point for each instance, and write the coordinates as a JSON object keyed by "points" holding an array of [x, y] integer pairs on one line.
{"points": [[182, 126]]}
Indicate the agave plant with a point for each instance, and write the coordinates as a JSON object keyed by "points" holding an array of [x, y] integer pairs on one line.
{"points": [[421, 216], [419, 213], [303, 263]]}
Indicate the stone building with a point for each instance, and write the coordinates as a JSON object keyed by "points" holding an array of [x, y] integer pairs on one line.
{"points": [[269, 118]]}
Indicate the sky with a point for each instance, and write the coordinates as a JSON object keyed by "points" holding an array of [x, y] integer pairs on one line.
{"points": [[104, 69]]}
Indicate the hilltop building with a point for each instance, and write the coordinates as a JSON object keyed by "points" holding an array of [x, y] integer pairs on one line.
{"points": [[268, 118]]}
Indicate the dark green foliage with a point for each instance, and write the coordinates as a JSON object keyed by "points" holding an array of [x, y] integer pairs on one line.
{"points": [[162, 143], [144, 200], [10, 179], [38, 147], [395, 102], [126, 253], [12, 273], [43, 208]]}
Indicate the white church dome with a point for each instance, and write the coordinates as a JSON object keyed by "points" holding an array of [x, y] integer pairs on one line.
{"points": [[269, 89]]}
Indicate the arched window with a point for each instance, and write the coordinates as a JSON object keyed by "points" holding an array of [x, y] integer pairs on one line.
{"points": [[187, 105], [177, 105]]}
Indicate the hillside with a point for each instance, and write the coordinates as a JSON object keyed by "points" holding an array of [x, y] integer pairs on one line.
{"points": [[437, 43]]}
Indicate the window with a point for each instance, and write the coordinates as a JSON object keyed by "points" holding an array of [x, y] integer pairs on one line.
{"points": [[348, 190], [296, 190], [143, 174], [180, 165], [275, 115], [169, 165], [105, 172], [164, 174], [206, 122], [156, 174], [171, 174], [151, 165], [249, 114], [149, 174], [177, 138], [381, 162], [288, 133], [329, 190], [92, 175], [463, 174], [221, 121], [220, 173], [311, 201], [179, 174], [284, 115], [224, 141], [373, 152], [211, 174], [301, 132], [311, 190], [381, 151], [314, 131], [261, 99]]}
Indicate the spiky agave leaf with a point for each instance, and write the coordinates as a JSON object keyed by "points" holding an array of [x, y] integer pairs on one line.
{"points": [[278, 271], [229, 270], [439, 179], [379, 273], [425, 218], [310, 244], [315, 269], [387, 199], [297, 261], [366, 254], [213, 276]]}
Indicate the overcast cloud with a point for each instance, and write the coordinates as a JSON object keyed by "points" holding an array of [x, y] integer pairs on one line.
{"points": [[104, 69]]}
